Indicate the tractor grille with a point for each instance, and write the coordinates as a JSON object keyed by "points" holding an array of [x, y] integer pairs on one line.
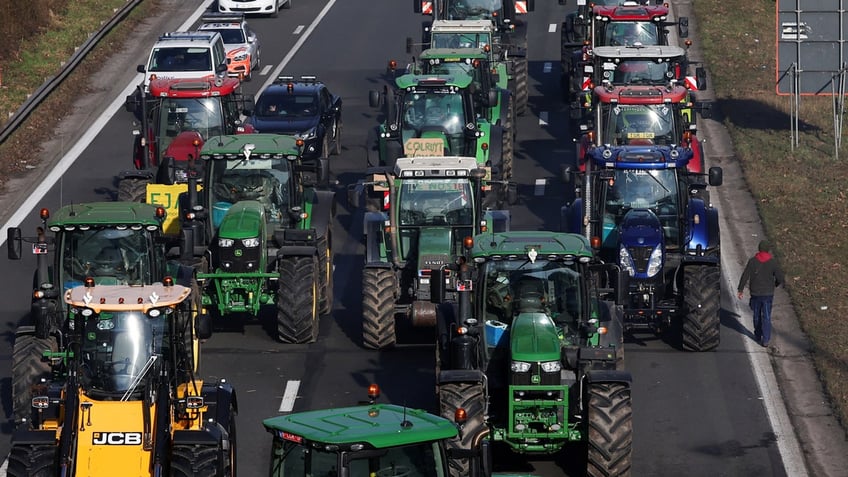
{"points": [[237, 259], [640, 256], [526, 379]]}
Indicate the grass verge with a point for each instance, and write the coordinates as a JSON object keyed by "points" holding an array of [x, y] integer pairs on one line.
{"points": [[801, 194]]}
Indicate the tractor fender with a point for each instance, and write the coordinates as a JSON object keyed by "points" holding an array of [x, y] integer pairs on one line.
{"points": [[460, 376], [296, 251], [220, 398], [373, 227], [609, 376], [571, 217], [145, 174], [704, 230], [34, 437], [506, 97], [323, 211], [495, 139]]}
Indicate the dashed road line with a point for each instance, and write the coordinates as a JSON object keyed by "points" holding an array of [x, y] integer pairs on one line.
{"points": [[540, 187], [552, 28], [289, 396], [547, 67], [298, 30], [543, 118]]}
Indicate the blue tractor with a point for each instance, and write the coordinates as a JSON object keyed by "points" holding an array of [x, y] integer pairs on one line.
{"points": [[644, 210]]}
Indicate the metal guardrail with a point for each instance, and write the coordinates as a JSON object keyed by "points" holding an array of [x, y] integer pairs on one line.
{"points": [[48, 86]]}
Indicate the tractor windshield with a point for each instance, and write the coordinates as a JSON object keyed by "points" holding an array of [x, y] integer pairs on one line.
{"points": [[646, 71], [435, 115], [119, 348], [552, 287], [435, 202], [460, 40], [474, 9], [262, 180], [298, 460], [202, 115], [628, 33], [629, 189], [641, 125], [112, 256]]}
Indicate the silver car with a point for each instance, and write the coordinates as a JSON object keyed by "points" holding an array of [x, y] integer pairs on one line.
{"points": [[240, 41]]}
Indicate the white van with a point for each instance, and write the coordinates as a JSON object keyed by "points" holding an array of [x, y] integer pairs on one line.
{"points": [[195, 54]]}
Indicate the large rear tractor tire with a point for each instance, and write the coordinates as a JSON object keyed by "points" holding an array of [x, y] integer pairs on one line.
{"points": [[702, 295], [378, 308], [508, 151], [297, 300], [470, 397], [522, 86], [337, 138], [28, 368], [32, 461], [325, 273], [610, 430], [132, 190]]}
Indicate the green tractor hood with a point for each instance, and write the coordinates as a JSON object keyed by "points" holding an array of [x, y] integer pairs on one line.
{"points": [[378, 425], [534, 337], [245, 219]]}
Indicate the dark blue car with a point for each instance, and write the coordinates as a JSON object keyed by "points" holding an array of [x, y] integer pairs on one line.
{"points": [[304, 108]]}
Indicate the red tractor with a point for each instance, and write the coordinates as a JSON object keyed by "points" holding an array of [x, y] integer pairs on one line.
{"points": [[642, 115], [628, 24], [174, 117]]}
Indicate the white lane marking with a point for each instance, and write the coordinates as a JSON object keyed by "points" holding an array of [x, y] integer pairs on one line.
{"points": [[265, 70], [540, 187], [552, 28], [547, 67], [289, 396], [298, 30], [543, 118], [117, 105], [4, 467]]}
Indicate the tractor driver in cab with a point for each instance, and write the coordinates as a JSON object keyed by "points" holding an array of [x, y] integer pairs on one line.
{"points": [[630, 34], [474, 9]]}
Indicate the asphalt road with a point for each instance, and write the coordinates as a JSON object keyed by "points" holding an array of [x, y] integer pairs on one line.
{"points": [[696, 414]]}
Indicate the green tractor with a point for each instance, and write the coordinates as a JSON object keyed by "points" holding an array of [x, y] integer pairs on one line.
{"points": [[437, 115], [371, 439], [263, 231], [536, 357], [489, 77], [110, 243], [418, 216]]}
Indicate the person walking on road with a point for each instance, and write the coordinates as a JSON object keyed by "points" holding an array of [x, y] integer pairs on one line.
{"points": [[762, 274]]}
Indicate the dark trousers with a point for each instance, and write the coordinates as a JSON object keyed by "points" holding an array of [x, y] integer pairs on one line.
{"points": [[761, 306]]}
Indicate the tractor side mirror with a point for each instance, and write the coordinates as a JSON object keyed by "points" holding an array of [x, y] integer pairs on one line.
{"points": [[492, 98], [705, 109], [716, 176], [13, 243], [203, 326], [374, 99], [701, 78], [437, 285], [683, 27]]}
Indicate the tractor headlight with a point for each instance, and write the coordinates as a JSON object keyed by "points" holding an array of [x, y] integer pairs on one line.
{"points": [[626, 261], [655, 261], [311, 134], [225, 242], [520, 367], [250, 242], [551, 366]]}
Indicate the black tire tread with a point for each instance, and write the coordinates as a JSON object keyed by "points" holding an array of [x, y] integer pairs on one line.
{"points": [[469, 396], [132, 190], [28, 367], [194, 461], [378, 316], [325, 274], [32, 461], [702, 296], [297, 309], [610, 430]]}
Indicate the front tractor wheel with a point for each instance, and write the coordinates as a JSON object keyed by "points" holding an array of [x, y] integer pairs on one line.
{"points": [[702, 295], [378, 308], [28, 368], [610, 416], [468, 396], [297, 300], [32, 461]]}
